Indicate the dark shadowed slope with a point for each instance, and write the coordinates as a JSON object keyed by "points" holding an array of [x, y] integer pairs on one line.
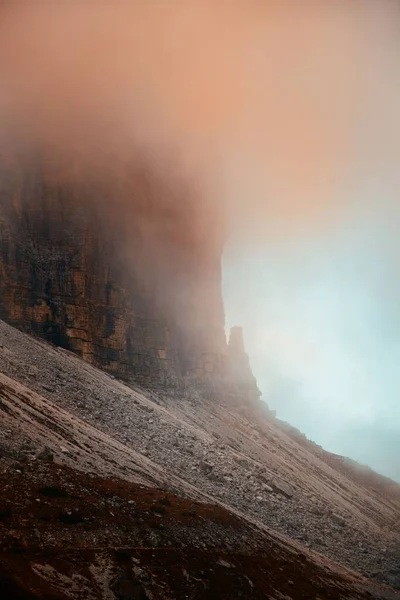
{"points": [[66, 535]]}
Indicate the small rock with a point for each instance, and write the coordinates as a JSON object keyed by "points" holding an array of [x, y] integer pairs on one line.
{"points": [[266, 488], [338, 519], [317, 511], [225, 564], [205, 467], [281, 487], [48, 388], [126, 587], [319, 542], [46, 455]]}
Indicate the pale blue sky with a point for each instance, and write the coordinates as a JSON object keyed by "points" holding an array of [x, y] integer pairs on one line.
{"points": [[321, 316]]}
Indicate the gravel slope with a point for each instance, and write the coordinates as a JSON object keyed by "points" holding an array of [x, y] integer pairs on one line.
{"points": [[244, 461], [69, 536]]}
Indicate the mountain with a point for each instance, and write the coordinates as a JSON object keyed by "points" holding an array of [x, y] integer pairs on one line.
{"points": [[109, 490], [137, 460]]}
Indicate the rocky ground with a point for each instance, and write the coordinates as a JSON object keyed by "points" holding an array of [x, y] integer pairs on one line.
{"points": [[66, 535], [255, 466]]}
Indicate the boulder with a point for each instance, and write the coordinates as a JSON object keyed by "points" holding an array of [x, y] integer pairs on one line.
{"points": [[281, 487]]}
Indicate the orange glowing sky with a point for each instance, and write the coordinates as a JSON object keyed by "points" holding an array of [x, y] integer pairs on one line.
{"points": [[246, 95]]}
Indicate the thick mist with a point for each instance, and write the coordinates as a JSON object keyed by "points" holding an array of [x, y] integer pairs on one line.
{"points": [[321, 311], [279, 120], [250, 101], [322, 328]]}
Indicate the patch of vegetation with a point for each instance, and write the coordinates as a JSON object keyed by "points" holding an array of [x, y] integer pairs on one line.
{"points": [[159, 510], [5, 512], [122, 555], [18, 549], [189, 513], [45, 518], [165, 501], [70, 518], [53, 492]]}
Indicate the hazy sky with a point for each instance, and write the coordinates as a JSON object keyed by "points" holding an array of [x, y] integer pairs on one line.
{"points": [[321, 313], [322, 327], [321, 308]]}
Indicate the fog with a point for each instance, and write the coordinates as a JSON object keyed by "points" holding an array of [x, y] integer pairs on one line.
{"points": [[283, 117], [321, 310], [252, 101], [322, 328]]}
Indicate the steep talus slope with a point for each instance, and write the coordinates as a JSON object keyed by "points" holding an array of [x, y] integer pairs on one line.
{"points": [[65, 535], [362, 474], [242, 460], [34, 422]]}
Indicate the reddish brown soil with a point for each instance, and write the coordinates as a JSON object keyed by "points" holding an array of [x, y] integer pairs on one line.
{"points": [[143, 543]]}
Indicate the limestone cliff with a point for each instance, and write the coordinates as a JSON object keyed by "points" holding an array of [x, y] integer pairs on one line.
{"points": [[133, 287]]}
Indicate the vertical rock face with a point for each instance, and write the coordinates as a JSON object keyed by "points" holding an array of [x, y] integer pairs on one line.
{"points": [[239, 364], [130, 283], [135, 290]]}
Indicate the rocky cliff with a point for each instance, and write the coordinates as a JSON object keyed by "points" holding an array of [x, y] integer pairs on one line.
{"points": [[131, 281]]}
